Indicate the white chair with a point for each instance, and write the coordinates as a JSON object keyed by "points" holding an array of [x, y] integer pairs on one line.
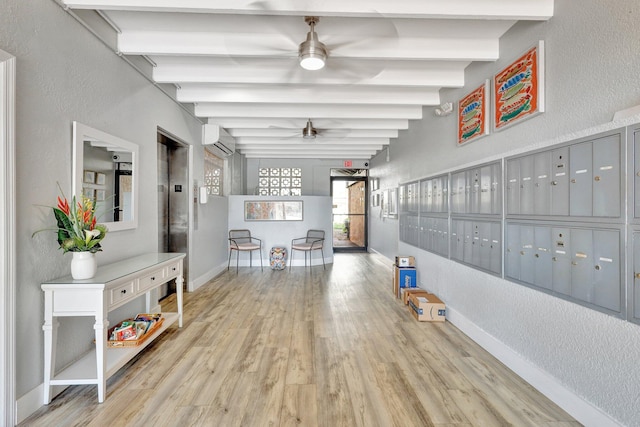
{"points": [[312, 242], [241, 241]]}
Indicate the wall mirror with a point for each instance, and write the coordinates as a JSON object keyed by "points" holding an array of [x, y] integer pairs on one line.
{"points": [[105, 169]]}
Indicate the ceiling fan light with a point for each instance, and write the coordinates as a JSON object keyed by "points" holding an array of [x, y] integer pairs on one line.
{"points": [[312, 52], [311, 62]]}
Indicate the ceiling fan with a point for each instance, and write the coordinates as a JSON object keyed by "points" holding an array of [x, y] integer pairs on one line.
{"points": [[311, 132], [312, 53]]}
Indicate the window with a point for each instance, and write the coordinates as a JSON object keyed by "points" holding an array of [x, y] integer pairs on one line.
{"points": [[280, 182], [213, 173]]}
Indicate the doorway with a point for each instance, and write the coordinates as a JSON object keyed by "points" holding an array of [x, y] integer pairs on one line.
{"points": [[173, 202], [349, 213]]}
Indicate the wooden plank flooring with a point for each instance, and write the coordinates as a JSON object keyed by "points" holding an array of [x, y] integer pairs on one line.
{"points": [[321, 348]]}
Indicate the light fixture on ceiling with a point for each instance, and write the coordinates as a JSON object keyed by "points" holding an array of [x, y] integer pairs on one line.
{"points": [[444, 109], [309, 132], [312, 52]]}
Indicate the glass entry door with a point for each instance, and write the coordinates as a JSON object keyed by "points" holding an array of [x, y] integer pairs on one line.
{"points": [[349, 195]]}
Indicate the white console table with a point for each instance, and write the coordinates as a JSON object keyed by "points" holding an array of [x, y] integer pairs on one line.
{"points": [[113, 285]]}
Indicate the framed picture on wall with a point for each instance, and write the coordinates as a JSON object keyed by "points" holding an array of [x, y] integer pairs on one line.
{"points": [[473, 114], [273, 211], [89, 177], [89, 193], [101, 178], [384, 203], [518, 90], [393, 203]]}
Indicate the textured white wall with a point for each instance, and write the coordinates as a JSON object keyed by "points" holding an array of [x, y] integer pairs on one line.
{"points": [[591, 72], [65, 74]]}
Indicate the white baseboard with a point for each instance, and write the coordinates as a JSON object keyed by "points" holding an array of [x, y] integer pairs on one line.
{"points": [[32, 401], [578, 408], [204, 278], [296, 262]]}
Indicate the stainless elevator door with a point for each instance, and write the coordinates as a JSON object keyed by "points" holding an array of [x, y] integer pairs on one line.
{"points": [[173, 201]]}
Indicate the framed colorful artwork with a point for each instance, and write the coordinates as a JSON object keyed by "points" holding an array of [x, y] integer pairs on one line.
{"points": [[473, 114], [518, 90]]}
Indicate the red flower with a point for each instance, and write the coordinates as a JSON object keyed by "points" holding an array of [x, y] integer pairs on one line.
{"points": [[63, 205]]}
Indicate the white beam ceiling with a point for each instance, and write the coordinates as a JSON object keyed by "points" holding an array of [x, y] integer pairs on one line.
{"points": [[236, 62]]}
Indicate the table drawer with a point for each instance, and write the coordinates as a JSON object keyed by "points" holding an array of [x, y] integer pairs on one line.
{"points": [[174, 270], [122, 293], [155, 278]]}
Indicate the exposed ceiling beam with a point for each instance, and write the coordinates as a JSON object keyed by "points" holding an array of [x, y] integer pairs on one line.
{"points": [[332, 111], [279, 45], [281, 94], [275, 132], [321, 123], [462, 9], [195, 69], [318, 141]]}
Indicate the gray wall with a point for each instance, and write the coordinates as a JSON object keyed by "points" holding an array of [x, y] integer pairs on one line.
{"points": [[65, 74], [316, 215], [592, 64]]}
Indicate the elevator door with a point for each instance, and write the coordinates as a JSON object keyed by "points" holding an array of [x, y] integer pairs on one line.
{"points": [[173, 202]]}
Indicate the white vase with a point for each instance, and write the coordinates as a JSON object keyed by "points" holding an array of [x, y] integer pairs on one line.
{"points": [[83, 265]]}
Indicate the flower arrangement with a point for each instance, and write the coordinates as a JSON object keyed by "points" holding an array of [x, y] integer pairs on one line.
{"points": [[78, 230]]}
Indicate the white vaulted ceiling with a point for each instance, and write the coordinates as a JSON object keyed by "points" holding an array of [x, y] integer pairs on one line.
{"points": [[236, 62]]}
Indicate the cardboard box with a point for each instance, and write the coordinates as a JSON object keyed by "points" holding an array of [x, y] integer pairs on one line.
{"points": [[427, 308], [411, 291], [404, 277], [405, 261]]}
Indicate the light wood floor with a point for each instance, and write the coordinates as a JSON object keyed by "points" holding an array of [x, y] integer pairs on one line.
{"points": [[330, 348]]}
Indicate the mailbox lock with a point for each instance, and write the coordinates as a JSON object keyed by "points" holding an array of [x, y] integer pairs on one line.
{"points": [[573, 181], [537, 255], [597, 267], [554, 182], [574, 263], [637, 275], [521, 252], [596, 178], [554, 259], [638, 173]]}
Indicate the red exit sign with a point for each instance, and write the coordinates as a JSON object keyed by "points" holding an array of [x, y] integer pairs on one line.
{"points": [[348, 163]]}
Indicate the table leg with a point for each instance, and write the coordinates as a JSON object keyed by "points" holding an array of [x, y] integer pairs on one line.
{"points": [[100, 328], [50, 328], [179, 285]]}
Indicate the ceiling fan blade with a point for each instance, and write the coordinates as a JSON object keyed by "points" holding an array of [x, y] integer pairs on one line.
{"points": [[333, 133], [352, 32], [354, 71]]}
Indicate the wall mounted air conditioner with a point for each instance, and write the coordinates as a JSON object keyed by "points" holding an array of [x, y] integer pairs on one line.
{"points": [[218, 141]]}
